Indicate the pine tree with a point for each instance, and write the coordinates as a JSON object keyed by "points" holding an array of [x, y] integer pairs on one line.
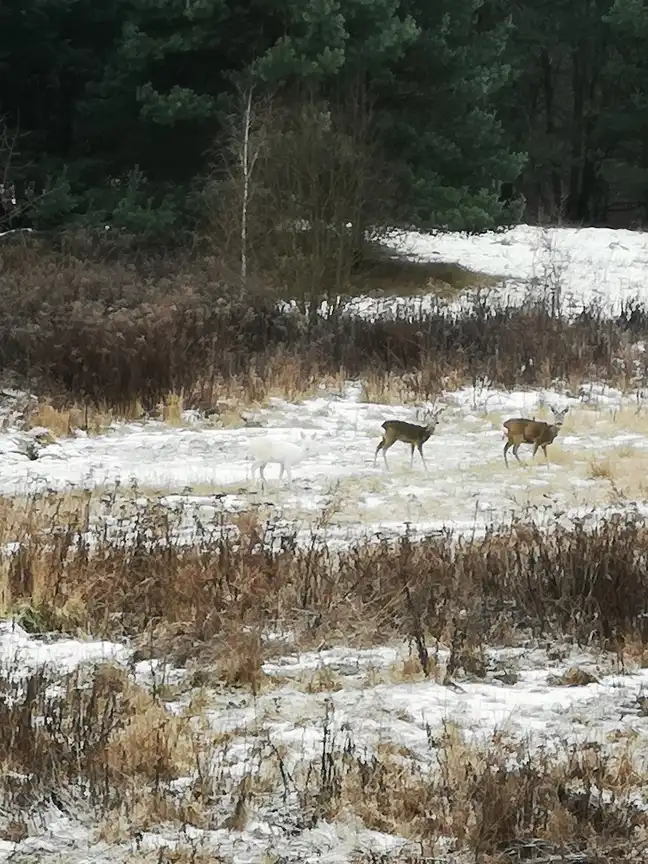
{"points": [[438, 120], [626, 165]]}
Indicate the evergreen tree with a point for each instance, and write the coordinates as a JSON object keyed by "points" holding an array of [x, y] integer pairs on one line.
{"points": [[118, 102], [626, 116], [437, 118]]}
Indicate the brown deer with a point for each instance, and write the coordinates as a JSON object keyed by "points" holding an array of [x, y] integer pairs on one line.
{"points": [[408, 433], [521, 430]]}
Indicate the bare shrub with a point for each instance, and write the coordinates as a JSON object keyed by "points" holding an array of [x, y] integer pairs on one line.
{"points": [[303, 184], [97, 732], [132, 333], [129, 335], [495, 800], [221, 593]]}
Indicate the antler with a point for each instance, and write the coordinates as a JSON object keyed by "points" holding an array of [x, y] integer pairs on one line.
{"points": [[430, 417]]}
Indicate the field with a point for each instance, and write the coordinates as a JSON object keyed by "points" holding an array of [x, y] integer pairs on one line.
{"points": [[366, 665]]}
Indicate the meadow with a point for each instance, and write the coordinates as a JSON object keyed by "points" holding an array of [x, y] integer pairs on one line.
{"points": [[365, 665]]}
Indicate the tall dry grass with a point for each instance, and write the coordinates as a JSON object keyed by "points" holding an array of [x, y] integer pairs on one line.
{"points": [[111, 335], [97, 743], [493, 802], [129, 577], [94, 742], [96, 748]]}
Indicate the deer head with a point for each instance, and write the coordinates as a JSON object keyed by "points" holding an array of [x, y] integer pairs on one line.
{"points": [[430, 418]]}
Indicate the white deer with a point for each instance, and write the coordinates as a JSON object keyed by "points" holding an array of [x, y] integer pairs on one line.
{"points": [[287, 454]]}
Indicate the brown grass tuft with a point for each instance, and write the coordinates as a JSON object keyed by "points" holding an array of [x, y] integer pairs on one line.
{"points": [[381, 274], [573, 677], [217, 596], [172, 408], [97, 730], [600, 469], [493, 800]]}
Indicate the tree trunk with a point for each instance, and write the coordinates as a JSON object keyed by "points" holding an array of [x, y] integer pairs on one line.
{"points": [[550, 126], [574, 201]]}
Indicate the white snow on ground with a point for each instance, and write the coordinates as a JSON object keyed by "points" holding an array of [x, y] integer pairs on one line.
{"points": [[21, 654], [371, 706], [583, 265], [371, 712], [466, 488]]}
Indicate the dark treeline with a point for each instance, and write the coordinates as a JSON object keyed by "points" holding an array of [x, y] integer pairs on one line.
{"points": [[157, 117]]}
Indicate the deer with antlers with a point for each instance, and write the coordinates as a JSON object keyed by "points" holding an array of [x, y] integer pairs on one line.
{"points": [[409, 433]]}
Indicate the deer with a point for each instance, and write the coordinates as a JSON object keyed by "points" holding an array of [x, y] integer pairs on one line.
{"points": [[408, 433], [521, 430], [287, 454]]}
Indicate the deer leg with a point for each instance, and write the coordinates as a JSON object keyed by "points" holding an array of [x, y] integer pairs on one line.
{"points": [[535, 449], [544, 450], [420, 449], [516, 447], [378, 449], [385, 448], [262, 475], [412, 455], [281, 470], [506, 449], [289, 475]]}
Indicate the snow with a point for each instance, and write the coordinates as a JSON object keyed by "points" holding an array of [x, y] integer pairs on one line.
{"points": [[22, 654], [467, 486], [466, 489], [586, 265], [530, 710], [366, 711]]}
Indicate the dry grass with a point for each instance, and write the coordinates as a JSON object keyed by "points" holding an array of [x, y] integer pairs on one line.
{"points": [[322, 680], [609, 422], [29, 516], [172, 408], [98, 730], [600, 469], [64, 419], [383, 275], [403, 671], [234, 661], [125, 339], [218, 597], [573, 677], [112, 750], [491, 800], [60, 422], [624, 469], [182, 853], [209, 607]]}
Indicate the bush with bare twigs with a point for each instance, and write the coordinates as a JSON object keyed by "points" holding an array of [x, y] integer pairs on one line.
{"points": [[114, 334], [237, 579]]}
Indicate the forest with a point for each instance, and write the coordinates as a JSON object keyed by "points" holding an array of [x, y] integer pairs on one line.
{"points": [[161, 121]]}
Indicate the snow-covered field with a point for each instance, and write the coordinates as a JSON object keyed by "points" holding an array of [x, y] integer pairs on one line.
{"points": [[467, 485], [579, 265], [599, 460], [369, 705]]}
